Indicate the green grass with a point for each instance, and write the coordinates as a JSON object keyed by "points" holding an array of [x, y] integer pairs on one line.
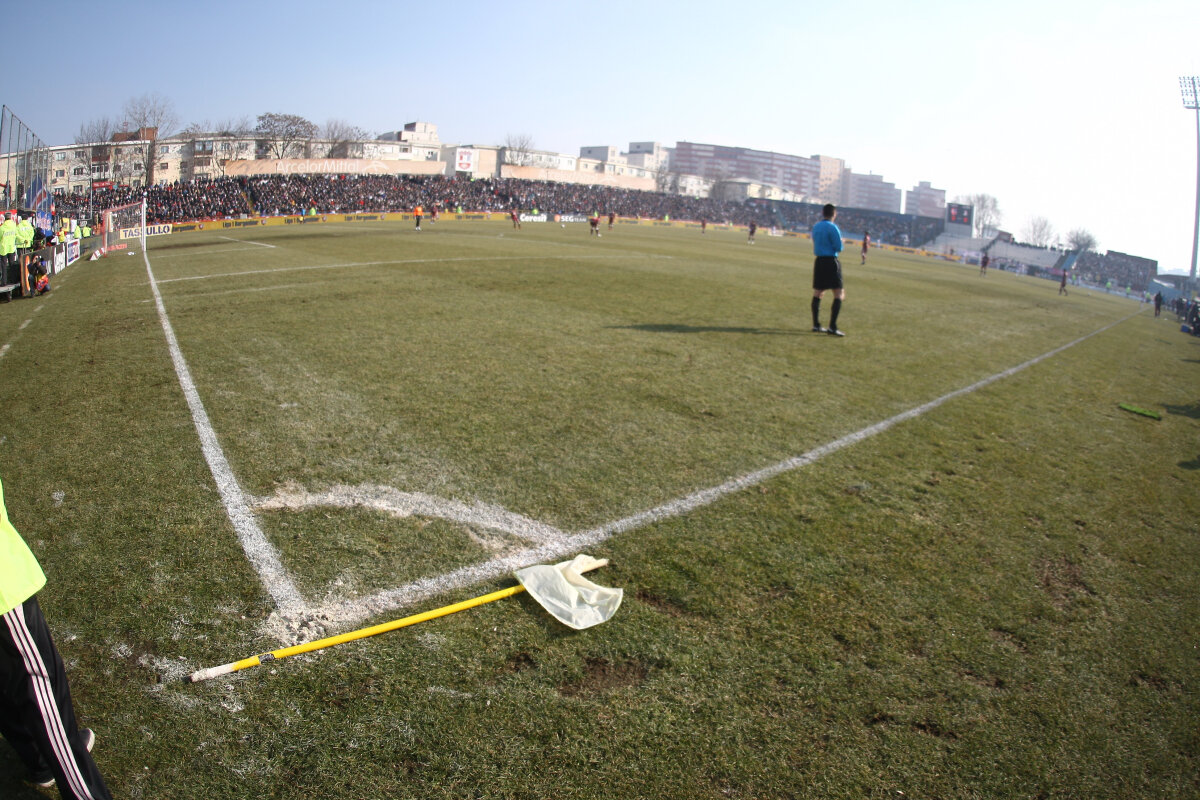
{"points": [[998, 598]]}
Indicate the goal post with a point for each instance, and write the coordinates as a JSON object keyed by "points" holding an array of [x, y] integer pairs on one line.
{"points": [[122, 226]]}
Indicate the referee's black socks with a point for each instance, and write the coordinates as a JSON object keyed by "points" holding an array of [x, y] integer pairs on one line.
{"points": [[816, 309], [833, 313]]}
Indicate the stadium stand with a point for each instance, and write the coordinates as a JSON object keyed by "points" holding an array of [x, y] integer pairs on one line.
{"points": [[275, 195], [1123, 270]]}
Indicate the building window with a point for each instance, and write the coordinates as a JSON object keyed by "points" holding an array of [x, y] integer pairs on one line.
{"points": [[60, 173], [98, 169], [60, 156], [164, 150], [162, 165], [79, 171]]}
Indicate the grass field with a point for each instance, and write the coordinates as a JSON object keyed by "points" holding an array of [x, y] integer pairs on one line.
{"points": [[933, 558]]}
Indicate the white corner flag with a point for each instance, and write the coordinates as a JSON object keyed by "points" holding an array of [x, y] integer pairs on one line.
{"points": [[569, 597]]}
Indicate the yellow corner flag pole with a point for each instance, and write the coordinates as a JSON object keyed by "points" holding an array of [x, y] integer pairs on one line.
{"points": [[361, 633]]}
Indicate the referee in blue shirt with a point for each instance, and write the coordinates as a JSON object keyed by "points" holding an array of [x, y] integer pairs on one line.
{"points": [[827, 270]]}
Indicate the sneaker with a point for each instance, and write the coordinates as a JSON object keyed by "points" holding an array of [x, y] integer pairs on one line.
{"points": [[818, 329], [834, 332], [45, 778]]}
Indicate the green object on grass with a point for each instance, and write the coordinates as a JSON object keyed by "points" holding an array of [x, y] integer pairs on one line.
{"points": [[1142, 411]]}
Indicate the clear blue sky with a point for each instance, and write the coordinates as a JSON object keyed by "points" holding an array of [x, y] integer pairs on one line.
{"points": [[1066, 109]]}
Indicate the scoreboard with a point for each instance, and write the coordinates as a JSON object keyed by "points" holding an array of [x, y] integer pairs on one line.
{"points": [[957, 214]]}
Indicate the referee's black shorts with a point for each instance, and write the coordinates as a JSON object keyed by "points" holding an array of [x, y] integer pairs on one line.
{"points": [[827, 273]]}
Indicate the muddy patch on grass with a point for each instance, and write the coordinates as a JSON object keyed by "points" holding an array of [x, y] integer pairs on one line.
{"points": [[660, 603], [601, 675], [520, 662], [1062, 580]]}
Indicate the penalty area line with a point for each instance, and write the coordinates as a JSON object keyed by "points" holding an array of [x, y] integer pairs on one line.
{"points": [[353, 611]]}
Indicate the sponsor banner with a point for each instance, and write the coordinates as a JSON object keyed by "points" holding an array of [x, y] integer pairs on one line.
{"points": [[60, 261], [533, 218], [243, 223], [464, 160], [151, 230], [42, 202], [573, 218], [101, 184], [73, 251]]}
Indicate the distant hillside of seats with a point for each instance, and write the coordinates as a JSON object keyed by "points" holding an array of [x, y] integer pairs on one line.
{"points": [[1125, 271], [275, 195]]}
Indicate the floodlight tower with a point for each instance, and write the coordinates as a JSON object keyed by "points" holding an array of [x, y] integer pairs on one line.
{"points": [[1190, 87]]}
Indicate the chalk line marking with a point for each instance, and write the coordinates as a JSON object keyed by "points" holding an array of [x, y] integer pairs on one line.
{"points": [[204, 252], [299, 618], [385, 263], [411, 504], [347, 612], [246, 241], [264, 558], [4, 349]]}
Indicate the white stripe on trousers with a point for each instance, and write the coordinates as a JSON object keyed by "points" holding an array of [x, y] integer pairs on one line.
{"points": [[44, 693]]}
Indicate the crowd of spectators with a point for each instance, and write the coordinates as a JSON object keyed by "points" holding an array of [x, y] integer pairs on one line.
{"points": [[274, 195], [885, 227], [1122, 270]]}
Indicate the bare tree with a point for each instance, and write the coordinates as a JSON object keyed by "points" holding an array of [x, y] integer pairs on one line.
{"points": [[666, 181], [286, 134], [100, 129], [231, 126], [1039, 232], [1081, 240], [517, 149], [987, 212], [153, 116], [338, 136]]}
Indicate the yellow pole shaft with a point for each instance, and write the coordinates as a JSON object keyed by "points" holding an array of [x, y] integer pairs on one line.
{"points": [[361, 633]]}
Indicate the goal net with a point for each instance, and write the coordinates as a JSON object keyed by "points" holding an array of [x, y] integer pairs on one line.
{"points": [[123, 227]]}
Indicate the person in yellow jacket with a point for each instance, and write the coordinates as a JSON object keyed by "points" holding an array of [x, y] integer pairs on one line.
{"points": [[36, 715], [8, 248], [24, 235]]}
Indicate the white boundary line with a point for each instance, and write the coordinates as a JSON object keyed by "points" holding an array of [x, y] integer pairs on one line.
{"points": [[384, 263], [246, 241], [352, 611], [552, 543], [264, 558]]}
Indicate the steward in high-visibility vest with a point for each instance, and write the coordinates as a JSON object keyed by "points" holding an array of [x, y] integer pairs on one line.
{"points": [[8, 235], [418, 212], [39, 719], [24, 234], [21, 576], [9, 273]]}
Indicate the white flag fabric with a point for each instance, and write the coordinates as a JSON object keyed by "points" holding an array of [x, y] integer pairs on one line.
{"points": [[569, 597]]}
